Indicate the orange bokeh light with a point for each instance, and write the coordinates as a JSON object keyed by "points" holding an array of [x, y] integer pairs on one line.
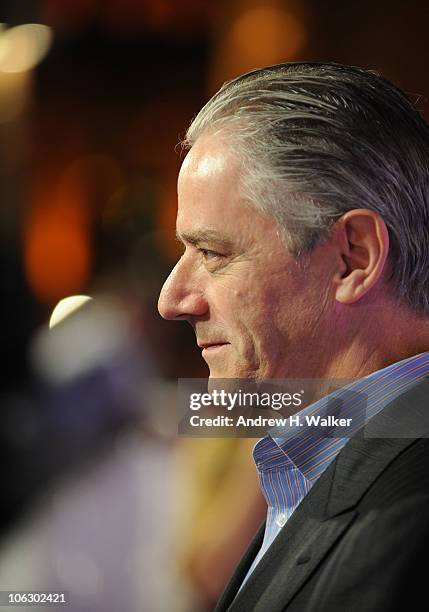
{"points": [[258, 35], [265, 34], [57, 250]]}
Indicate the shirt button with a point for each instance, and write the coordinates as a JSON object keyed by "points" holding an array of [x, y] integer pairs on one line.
{"points": [[281, 520]]}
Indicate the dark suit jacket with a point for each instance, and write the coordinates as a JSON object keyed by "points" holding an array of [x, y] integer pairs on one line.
{"points": [[359, 540]]}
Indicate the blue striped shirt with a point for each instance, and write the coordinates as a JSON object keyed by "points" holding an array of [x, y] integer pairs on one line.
{"points": [[290, 461]]}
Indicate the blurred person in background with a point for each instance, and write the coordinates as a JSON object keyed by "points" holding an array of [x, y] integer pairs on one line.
{"points": [[304, 216], [89, 473]]}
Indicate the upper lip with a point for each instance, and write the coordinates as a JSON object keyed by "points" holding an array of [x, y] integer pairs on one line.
{"points": [[207, 344]]}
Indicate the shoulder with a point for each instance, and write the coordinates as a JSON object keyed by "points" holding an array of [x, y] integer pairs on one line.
{"points": [[404, 479]]}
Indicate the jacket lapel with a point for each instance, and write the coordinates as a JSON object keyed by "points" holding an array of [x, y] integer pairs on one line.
{"points": [[328, 510], [294, 554], [241, 571]]}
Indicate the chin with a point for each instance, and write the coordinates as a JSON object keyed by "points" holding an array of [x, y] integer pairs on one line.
{"points": [[225, 373], [214, 375], [234, 369], [232, 375]]}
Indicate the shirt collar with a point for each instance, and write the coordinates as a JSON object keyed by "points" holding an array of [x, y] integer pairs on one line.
{"points": [[301, 448]]}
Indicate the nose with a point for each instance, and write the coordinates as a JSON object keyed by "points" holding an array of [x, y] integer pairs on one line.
{"points": [[181, 296]]}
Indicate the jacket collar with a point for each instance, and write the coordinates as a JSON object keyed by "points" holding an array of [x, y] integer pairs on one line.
{"points": [[311, 532]]}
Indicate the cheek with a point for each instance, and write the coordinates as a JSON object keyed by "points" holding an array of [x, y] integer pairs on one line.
{"points": [[281, 307], [237, 312], [230, 303], [249, 313]]}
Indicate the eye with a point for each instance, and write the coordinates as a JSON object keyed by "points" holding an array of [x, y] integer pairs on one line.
{"points": [[209, 255]]}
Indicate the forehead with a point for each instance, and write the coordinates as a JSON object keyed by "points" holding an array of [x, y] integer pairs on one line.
{"points": [[210, 163], [208, 157], [213, 212], [209, 196]]}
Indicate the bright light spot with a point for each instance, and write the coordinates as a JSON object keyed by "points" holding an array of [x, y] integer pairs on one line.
{"points": [[66, 306], [87, 338], [23, 47]]}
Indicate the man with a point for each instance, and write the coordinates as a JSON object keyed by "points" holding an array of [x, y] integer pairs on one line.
{"points": [[303, 208]]}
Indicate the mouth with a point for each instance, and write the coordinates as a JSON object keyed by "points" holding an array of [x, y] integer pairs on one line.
{"points": [[212, 346]]}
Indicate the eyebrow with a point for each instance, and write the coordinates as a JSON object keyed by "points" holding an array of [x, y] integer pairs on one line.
{"points": [[203, 235]]}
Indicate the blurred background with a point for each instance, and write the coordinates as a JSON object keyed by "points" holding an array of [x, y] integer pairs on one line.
{"points": [[100, 497]]}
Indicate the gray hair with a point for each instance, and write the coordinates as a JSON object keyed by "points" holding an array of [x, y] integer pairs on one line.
{"points": [[318, 140]]}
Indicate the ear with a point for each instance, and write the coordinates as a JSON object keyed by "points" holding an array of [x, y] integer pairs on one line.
{"points": [[361, 241]]}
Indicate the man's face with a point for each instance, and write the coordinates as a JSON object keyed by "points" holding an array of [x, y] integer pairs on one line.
{"points": [[255, 312]]}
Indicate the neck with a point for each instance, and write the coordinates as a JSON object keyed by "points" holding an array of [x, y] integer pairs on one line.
{"points": [[385, 334]]}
